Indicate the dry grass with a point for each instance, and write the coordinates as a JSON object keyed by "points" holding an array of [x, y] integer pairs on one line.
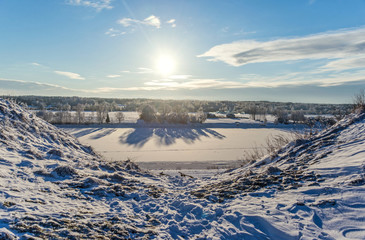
{"points": [[271, 147]]}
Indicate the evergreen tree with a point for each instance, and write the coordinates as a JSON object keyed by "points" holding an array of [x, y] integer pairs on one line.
{"points": [[107, 118]]}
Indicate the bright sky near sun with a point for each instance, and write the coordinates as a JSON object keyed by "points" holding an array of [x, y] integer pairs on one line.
{"points": [[283, 50]]}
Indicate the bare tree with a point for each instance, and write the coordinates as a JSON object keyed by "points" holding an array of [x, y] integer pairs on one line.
{"points": [[297, 116], [281, 116], [80, 114], [165, 110], [120, 116], [359, 100], [48, 116], [90, 118], [64, 115], [201, 116], [253, 111], [101, 111]]}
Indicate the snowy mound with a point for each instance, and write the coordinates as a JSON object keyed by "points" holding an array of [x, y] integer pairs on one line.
{"points": [[312, 188], [52, 187]]}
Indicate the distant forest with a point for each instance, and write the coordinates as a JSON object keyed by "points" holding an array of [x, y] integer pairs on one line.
{"points": [[118, 104]]}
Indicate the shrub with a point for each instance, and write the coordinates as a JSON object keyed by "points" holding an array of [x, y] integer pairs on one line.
{"points": [[359, 101]]}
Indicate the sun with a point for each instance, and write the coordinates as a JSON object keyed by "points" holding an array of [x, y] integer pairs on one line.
{"points": [[165, 64]]}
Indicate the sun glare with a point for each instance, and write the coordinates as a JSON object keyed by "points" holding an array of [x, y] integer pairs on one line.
{"points": [[165, 64]]}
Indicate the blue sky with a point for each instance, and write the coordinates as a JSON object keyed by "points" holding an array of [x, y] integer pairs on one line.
{"points": [[298, 51]]}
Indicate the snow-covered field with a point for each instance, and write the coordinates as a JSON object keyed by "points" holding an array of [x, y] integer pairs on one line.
{"points": [[52, 187], [218, 143]]}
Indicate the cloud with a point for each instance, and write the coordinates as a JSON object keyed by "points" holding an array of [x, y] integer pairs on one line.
{"points": [[97, 4], [180, 77], [297, 79], [113, 76], [152, 21], [328, 45], [36, 64], [345, 64], [193, 84], [149, 21], [114, 32], [172, 22], [70, 75], [143, 70], [25, 86]]}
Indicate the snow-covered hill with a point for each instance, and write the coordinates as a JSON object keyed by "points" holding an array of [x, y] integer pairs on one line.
{"points": [[53, 187], [312, 188]]}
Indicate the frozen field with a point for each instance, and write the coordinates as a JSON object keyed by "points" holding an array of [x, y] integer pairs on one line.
{"points": [[218, 143]]}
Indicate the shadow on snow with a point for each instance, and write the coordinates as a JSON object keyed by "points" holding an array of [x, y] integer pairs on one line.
{"points": [[166, 136]]}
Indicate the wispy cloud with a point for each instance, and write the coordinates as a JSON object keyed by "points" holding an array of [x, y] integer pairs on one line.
{"points": [[30, 85], [114, 32], [180, 77], [70, 75], [144, 70], [345, 64], [296, 79], [172, 22], [36, 64], [193, 84], [97, 4], [152, 21], [113, 76], [328, 45]]}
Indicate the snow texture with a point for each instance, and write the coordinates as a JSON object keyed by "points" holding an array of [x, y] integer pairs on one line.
{"points": [[52, 187]]}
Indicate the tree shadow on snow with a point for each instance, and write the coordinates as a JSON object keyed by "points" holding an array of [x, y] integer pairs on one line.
{"points": [[137, 137], [103, 132], [166, 136], [85, 132]]}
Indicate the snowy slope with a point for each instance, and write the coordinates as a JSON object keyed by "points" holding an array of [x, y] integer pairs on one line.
{"points": [[313, 188], [53, 187]]}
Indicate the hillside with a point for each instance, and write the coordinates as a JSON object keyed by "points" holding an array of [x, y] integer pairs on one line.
{"points": [[312, 188], [53, 187]]}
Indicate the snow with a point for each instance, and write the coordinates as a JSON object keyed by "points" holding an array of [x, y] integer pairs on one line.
{"points": [[218, 143], [53, 187]]}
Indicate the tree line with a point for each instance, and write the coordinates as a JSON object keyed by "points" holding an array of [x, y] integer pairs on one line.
{"points": [[167, 114], [115, 104], [102, 114]]}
